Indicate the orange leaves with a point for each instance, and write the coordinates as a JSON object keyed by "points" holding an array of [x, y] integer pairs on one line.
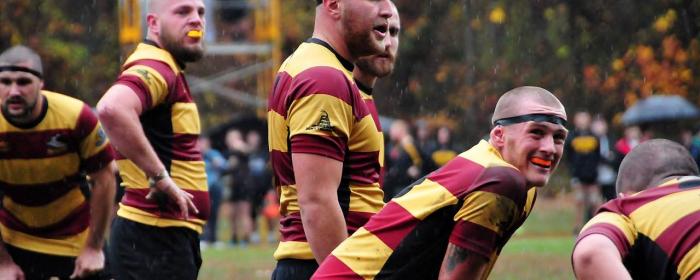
{"points": [[665, 21]]}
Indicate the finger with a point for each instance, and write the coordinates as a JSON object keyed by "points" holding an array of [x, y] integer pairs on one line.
{"points": [[149, 196], [192, 206], [182, 204], [76, 271]]}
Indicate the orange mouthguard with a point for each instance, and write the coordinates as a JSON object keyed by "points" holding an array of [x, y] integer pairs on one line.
{"points": [[195, 34], [541, 161]]}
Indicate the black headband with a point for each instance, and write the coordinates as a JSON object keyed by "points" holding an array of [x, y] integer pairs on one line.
{"points": [[21, 69], [531, 117]]}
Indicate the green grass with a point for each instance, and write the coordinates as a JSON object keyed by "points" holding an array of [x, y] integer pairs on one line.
{"points": [[541, 249]]}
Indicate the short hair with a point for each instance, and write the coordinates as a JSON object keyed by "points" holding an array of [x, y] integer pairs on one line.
{"points": [[510, 102], [19, 54], [652, 161]]}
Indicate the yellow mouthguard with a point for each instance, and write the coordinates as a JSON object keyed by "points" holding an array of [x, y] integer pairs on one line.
{"points": [[195, 33]]}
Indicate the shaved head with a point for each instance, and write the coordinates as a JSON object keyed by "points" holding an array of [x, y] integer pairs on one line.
{"points": [[155, 6], [652, 162], [527, 100], [22, 56]]}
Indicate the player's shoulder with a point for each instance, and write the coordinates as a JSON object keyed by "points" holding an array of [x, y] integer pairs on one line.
{"points": [[154, 57], [314, 59], [63, 102]]}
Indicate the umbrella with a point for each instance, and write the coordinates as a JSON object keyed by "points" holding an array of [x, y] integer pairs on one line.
{"points": [[660, 108]]}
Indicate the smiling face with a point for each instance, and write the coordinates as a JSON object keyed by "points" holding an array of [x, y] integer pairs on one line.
{"points": [[534, 148], [365, 25], [178, 25]]}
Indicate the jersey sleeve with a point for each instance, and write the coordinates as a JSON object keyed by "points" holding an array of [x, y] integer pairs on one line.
{"points": [[320, 114], [489, 211], [150, 80], [615, 226], [95, 150]]}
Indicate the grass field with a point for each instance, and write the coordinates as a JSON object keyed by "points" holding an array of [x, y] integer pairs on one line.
{"points": [[541, 249]]}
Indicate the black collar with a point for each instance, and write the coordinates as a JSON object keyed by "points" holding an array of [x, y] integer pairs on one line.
{"points": [[364, 88], [35, 122], [346, 63], [153, 43]]}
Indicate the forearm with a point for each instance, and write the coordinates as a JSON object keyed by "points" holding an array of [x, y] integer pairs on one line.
{"points": [[101, 204], [596, 257], [324, 226], [460, 263]]}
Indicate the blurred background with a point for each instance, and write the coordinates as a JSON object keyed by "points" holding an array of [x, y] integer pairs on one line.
{"points": [[632, 65]]}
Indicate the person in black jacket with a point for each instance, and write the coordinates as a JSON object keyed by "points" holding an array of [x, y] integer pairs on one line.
{"points": [[582, 149]]}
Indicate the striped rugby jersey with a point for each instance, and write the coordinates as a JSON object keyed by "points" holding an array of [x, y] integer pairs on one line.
{"points": [[170, 121], [316, 108], [656, 231], [476, 201], [42, 166]]}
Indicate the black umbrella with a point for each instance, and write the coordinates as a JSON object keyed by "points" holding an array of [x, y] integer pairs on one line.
{"points": [[660, 108]]}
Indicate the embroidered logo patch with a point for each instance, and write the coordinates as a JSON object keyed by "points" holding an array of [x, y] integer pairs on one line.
{"points": [[324, 123]]}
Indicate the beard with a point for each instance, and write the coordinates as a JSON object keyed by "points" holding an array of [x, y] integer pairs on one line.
{"points": [[360, 40], [22, 115], [178, 50], [375, 66]]}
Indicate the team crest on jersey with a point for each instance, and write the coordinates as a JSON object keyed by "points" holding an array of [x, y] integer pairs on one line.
{"points": [[324, 123], [55, 145]]}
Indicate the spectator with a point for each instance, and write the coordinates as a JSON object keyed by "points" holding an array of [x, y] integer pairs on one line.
{"points": [[403, 161], [606, 171], [444, 151], [259, 177], [215, 164], [241, 193], [582, 151]]}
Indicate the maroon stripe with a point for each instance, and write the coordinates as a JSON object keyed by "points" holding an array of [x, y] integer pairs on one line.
{"points": [[326, 146], [40, 194], [504, 181], [139, 88], [392, 224], [634, 202], [184, 147], [76, 222], [475, 238], [277, 101], [362, 167], [282, 168], [680, 237], [137, 198], [321, 80], [33, 144], [182, 92], [291, 228], [373, 111], [333, 268], [99, 160], [610, 231], [456, 175], [86, 123], [356, 220]]}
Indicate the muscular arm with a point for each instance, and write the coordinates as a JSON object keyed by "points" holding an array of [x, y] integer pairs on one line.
{"points": [[317, 180], [119, 111], [91, 258], [596, 257], [460, 263]]}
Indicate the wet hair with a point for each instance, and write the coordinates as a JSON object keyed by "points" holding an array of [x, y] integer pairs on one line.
{"points": [[21, 54], [652, 161]]}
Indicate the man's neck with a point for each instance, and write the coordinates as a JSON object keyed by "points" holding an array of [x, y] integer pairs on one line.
{"points": [[323, 29], [366, 79]]}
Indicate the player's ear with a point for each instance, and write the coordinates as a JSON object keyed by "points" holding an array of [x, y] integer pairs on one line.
{"points": [[333, 8], [497, 136]]}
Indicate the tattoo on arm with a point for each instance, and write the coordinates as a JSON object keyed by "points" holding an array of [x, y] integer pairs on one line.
{"points": [[456, 256]]}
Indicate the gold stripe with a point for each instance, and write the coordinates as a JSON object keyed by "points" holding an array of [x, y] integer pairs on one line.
{"points": [[89, 147], [46, 215], [620, 222], [277, 132], [293, 250], [157, 86], [425, 198], [146, 51], [36, 171], [672, 213], [289, 200], [137, 215], [530, 201], [690, 263], [490, 210], [68, 246], [132, 176], [366, 198], [189, 175], [307, 112], [413, 153], [310, 55], [365, 136], [68, 109], [485, 155], [185, 118], [364, 253]]}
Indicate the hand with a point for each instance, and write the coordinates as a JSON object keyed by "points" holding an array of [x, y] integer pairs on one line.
{"points": [[182, 199], [413, 172], [10, 270], [89, 262]]}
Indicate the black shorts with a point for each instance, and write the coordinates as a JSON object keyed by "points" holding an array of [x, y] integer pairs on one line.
{"points": [[43, 266], [140, 251], [292, 269]]}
